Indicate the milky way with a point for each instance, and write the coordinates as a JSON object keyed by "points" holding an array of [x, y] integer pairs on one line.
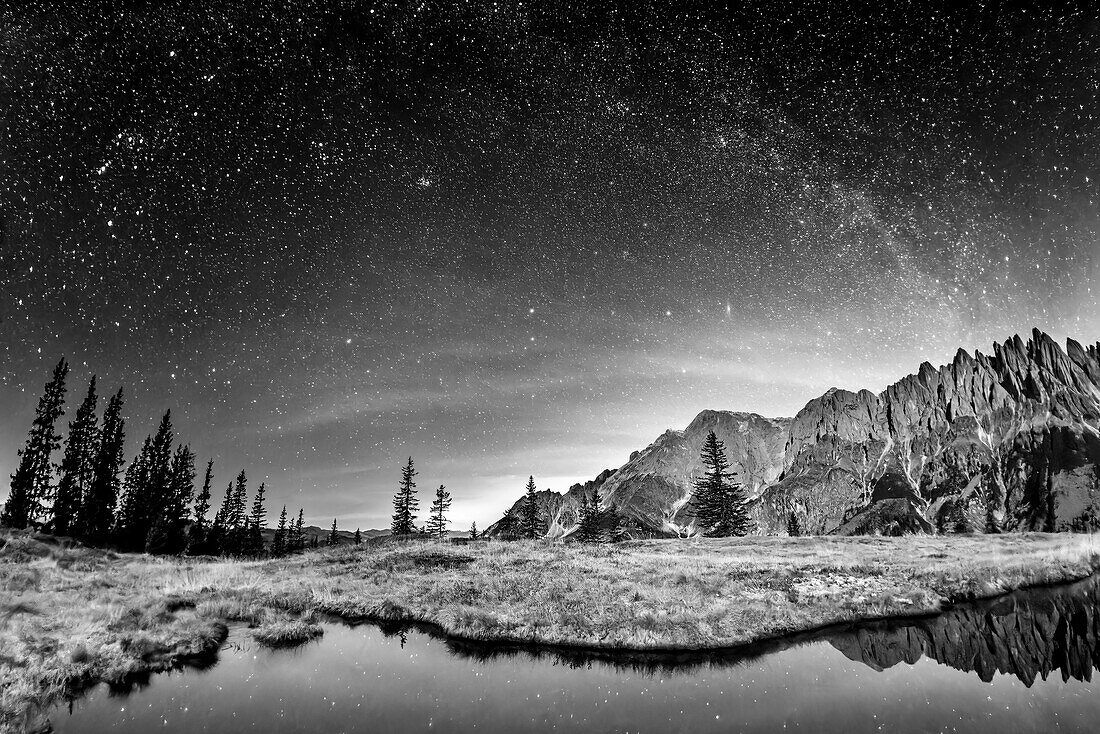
{"points": [[524, 238]]}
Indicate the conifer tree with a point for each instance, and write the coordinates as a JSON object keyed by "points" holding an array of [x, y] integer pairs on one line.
{"points": [[532, 528], [30, 484], [437, 519], [77, 465], [596, 523], [217, 540], [97, 512], [473, 531], [279, 540], [160, 464], [199, 533], [720, 503], [257, 520], [405, 503], [358, 537], [333, 537], [299, 536], [794, 529], [169, 527], [236, 521], [131, 523]]}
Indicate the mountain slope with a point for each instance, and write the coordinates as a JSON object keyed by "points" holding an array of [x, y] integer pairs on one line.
{"points": [[652, 490]]}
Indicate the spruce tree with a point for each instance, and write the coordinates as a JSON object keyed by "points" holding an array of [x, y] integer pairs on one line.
{"points": [[236, 521], [156, 508], [473, 531], [720, 503], [333, 537], [794, 529], [169, 531], [77, 465], [97, 512], [299, 533], [437, 519], [358, 537], [131, 523], [30, 484], [200, 524], [217, 540], [257, 520], [532, 527], [279, 541], [405, 503]]}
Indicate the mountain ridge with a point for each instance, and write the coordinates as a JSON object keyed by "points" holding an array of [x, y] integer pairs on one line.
{"points": [[1007, 441]]}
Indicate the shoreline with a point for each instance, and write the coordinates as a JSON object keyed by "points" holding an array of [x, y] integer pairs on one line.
{"points": [[772, 642], [95, 616]]}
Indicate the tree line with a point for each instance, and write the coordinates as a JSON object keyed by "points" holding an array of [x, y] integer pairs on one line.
{"points": [[406, 504], [151, 507]]}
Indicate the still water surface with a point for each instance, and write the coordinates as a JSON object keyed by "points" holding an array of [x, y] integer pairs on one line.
{"points": [[1022, 663]]}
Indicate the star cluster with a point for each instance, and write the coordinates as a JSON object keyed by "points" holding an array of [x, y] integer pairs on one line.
{"points": [[515, 238]]}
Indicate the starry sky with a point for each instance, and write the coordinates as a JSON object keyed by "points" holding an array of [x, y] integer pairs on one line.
{"points": [[511, 238]]}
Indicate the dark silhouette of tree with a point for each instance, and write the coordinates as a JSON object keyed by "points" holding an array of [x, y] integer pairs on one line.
{"points": [[218, 539], [958, 520], [299, 539], [236, 521], [358, 537], [97, 511], [720, 503], [148, 493], [437, 516], [473, 531], [279, 541], [333, 536], [77, 465], [532, 527], [992, 500], [30, 484], [598, 524], [257, 520], [198, 535], [794, 528], [509, 527], [589, 526], [130, 529], [168, 533], [405, 503]]}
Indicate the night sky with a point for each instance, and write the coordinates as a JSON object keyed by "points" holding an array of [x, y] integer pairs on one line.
{"points": [[512, 238]]}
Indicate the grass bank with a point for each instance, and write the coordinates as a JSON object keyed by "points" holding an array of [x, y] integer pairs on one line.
{"points": [[71, 616]]}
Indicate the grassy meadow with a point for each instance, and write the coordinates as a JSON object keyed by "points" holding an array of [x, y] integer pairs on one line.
{"points": [[72, 616]]}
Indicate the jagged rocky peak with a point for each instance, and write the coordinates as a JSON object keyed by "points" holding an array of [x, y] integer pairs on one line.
{"points": [[1003, 440]]}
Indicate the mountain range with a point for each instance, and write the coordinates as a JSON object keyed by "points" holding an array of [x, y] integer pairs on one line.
{"points": [[1000, 442]]}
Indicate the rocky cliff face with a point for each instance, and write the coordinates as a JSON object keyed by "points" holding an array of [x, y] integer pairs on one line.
{"points": [[652, 491], [1007, 441]]}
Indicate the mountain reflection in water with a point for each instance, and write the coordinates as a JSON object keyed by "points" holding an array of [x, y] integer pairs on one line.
{"points": [[1019, 663], [1027, 634]]}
